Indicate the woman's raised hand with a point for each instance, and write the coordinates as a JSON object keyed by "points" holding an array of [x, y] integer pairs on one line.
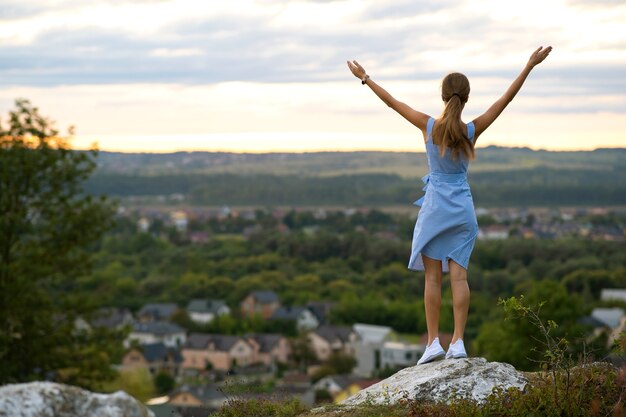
{"points": [[538, 56], [356, 69]]}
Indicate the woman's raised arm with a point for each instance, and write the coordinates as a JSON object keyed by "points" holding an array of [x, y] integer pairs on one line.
{"points": [[417, 118], [482, 122]]}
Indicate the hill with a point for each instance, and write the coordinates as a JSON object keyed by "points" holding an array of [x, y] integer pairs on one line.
{"points": [[498, 177]]}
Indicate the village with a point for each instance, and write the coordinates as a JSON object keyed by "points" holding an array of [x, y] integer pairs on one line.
{"points": [[208, 369], [594, 223]]}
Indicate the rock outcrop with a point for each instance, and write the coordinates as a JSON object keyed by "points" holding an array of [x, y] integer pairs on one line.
{"points": [[439, 381], [49, 399]]}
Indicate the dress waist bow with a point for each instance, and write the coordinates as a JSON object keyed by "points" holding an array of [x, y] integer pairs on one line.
{"points": [[439, 176]]}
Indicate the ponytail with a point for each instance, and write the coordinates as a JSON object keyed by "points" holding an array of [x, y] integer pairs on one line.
{"points": [[448, 132]]}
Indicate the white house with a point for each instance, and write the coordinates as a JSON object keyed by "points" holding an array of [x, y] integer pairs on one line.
{"points": [[400, 354], [170, 334], [304, 318], [613, 294], [204, 311], [368, 347]]}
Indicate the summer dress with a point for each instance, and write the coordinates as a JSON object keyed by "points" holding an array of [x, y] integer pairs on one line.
{"points": [[446, 226]]}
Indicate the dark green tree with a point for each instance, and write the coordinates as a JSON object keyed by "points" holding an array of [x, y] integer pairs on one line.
{"points": [[47, 225], [164, 383], [518, 342]]}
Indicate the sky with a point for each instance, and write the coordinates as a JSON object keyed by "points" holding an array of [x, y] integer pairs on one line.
{"points": [[269, 75]]}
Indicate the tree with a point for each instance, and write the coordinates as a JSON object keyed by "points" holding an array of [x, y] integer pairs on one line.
{"points": [[164, 383], [46, 227]]}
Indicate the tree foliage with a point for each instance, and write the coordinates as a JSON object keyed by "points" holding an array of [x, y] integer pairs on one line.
{"points": [[46, 227]]}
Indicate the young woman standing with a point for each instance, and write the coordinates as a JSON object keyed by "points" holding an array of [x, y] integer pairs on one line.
{"points": [[446, 226]]}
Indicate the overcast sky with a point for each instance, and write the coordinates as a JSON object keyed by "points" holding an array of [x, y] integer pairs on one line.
{"points": [[271, 75]]}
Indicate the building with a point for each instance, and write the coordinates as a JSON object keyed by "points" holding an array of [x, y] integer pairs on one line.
{"points": [[611, 317], [179, 219], [155, 357], [269, 348], [397, 355], [613, 294], [328, 339], [204, 351], [260, 302], [209, 396], [335, 384], [321, 310], [170, 334], [204, 311], [495, 231], [368, 347], [353, 388], [302, 316], [112, 318], [156, 312]]}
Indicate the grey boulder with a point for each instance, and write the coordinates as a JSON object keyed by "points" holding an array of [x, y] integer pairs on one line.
{"points": [[49, 399], [440, 381]]}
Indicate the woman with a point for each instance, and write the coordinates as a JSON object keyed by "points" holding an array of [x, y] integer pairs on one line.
{"points": [[446, 227]]}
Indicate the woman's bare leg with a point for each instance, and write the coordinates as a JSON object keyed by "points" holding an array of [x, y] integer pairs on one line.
{"points": [[460, 298], [432, 296]]}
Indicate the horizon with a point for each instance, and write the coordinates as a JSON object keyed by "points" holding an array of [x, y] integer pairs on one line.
{"points": [[346, 151]]}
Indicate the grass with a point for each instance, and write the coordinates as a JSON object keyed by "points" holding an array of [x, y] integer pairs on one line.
{"points": [[587, 390]]}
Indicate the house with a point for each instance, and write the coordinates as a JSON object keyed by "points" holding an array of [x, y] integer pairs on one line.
{"points": [[269, 348], [613, 294], [611, 317], [112, 318], [495, 231], [209, 396], [353, 388], [156, 312], [260, 302], [328, 339], [216, 351], [204, 311], [143, 224], [321, 310], [170, 334], [400, 354], [368, 348], [156, 357], [304, 318], [334, 384], [179, 220]]}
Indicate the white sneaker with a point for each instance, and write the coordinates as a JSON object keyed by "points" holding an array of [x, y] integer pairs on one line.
{"points": [[433, 352], [456, 350]]}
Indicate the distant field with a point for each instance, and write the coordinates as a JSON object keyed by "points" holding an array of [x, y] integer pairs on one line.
{"points": [[499, 177], [403, 164]]}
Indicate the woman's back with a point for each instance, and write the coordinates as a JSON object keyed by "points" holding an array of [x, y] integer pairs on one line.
{"points": [[445, 164]]}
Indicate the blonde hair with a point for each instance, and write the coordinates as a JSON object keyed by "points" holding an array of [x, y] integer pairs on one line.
{"points": [[448, 132]]}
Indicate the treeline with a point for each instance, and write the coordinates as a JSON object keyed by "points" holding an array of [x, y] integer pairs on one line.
{"points": [[405, 164], [524, 187]]}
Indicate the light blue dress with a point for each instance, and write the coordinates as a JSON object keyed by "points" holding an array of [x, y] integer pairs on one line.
{"points": [[446, 226]]}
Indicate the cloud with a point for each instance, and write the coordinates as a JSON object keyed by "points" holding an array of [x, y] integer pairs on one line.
{"points": [[125, 56]]}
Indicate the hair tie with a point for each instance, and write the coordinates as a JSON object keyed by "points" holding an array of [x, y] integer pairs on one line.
{"points": [[457, 94]]}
